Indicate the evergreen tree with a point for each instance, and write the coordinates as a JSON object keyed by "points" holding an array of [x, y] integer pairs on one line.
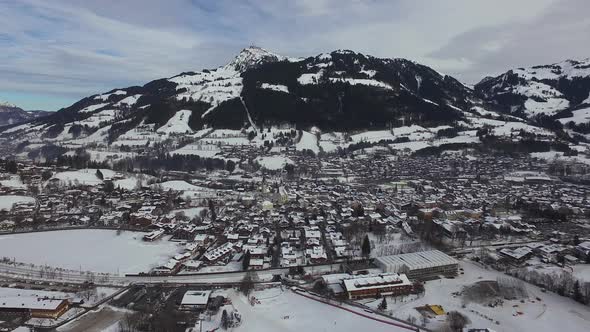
{"points": [[109, 186], [11, 167], [230, 166], [46, 175], [577, 293], [224, 320], [246, 261], [366, 246], [383, 305], [212, 210], [99, 174], [576, 240], [247, 284]]}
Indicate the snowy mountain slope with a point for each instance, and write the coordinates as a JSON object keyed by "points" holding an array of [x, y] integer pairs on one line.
{"points": [[178, 124], [321, 103], [351, 91], [545, 90]]}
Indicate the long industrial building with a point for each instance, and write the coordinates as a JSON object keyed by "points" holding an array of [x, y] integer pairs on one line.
{"points": [[363, 286], [36, 307], [420, 265]]}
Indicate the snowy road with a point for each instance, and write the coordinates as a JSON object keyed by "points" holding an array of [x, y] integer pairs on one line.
{"points": [[34, 273]]}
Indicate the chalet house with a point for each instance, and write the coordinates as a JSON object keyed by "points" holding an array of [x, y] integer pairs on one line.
{"points": [[7, 225], [203, 240], [288, 255], [583, 250], [182, 257], [141, 220], [186, 232], [169, 268], [232, 237], [518, 255], [316, 255], [551, 251], [219, 253], [256, 252], [256, 264], [192, 265]]}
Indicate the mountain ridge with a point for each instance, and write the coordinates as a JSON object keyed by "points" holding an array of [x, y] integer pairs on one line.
{"points": [[542, 90], [340, 92]]}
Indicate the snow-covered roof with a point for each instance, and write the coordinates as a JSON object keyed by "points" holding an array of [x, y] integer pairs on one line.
{"points": [[584, 245], [517, 253], [376, 281], [33, 303], [218, 252], [257, 262], [195, 298], [416, 260]]}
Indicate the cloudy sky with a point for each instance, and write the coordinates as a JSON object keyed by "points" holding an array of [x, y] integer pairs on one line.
{"points": [[55, 52]]}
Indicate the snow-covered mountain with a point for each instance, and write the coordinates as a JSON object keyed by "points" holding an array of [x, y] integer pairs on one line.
{"points": [[11, 114], [320, 103], [545, 90], [253, 57]]}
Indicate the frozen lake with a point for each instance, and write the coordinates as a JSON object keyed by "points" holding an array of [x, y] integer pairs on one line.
{"points": [[89, 249]]}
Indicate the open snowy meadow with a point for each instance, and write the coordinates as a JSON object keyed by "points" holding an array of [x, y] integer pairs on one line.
{"points": [[283, 310], [89, 250], [539, 311]]}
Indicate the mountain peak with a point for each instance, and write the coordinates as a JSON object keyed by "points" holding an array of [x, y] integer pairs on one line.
{"points": [[253, 56], [6, 104], [11, 114]]}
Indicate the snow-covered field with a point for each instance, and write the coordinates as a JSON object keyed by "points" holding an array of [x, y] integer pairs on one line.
{"points": [[274, 162], [308, 141], [578, 116], [6, 202], [106, 155], [201, 150], [232, 266], [82, 176], [285, 311], [552, 313], [556, 155], [13, 182], [582, 272], [189, 190], [88, 177], [190, 212], [89, 250], [275, 87], [179, 185]]}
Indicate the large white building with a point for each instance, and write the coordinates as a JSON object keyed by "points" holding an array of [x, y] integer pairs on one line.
{"points": [[420, 265]]}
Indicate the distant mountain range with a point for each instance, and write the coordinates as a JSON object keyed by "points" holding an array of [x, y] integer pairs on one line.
{"points": [[11, 114], [342, 92]]}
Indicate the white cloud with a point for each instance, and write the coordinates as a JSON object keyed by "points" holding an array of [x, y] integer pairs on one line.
{"points": [[558, 32]]}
